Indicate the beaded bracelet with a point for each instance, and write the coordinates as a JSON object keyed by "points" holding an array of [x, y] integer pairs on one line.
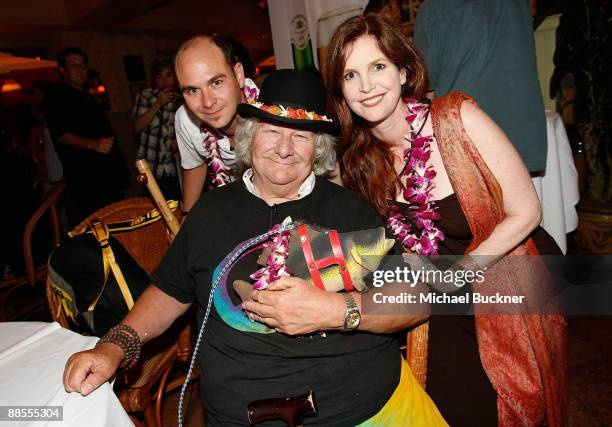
{"points": [[128, 340]]}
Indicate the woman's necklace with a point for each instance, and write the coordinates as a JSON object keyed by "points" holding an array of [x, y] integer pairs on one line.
{"points": [[424, 238]]}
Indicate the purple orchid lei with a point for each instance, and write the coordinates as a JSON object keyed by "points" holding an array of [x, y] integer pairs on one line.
{"points": [[417, 191], [276, 261], [219, 172]]}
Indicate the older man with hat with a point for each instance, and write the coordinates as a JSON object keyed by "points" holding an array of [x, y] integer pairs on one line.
{"points": [[299, 337]]}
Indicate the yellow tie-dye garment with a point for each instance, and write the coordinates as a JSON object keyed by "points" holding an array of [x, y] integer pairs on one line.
{"points": [[408, 406]]}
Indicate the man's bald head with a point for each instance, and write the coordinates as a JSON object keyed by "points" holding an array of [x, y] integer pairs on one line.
{"points": [[205, 41]]}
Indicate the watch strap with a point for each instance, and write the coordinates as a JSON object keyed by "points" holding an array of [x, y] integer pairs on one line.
{"points": [[350, 311]]}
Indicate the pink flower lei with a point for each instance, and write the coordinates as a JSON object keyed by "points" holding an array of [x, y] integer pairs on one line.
{"points": [[219, 172], [417, 191], [276, 261]]}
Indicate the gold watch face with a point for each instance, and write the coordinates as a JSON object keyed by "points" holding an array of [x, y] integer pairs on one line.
{"points": [[352, 319]]}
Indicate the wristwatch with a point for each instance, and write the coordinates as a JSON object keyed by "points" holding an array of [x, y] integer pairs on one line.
{"points": [[352, 316]]}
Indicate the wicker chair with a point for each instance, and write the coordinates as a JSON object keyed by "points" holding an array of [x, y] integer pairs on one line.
{"points": [[143, 387], [33, 274], [417, 342]]}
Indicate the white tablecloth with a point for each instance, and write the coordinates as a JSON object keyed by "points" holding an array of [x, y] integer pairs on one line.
{"points": [[32, 360], [558, 188]]}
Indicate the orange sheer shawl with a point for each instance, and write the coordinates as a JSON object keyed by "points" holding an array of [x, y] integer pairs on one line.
{"points": [[524, 355]]}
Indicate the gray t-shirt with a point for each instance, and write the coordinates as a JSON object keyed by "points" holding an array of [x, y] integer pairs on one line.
{"points": [[486, 49]]}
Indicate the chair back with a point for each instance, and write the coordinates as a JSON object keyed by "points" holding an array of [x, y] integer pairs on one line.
{"points": [[11, 310], [146, 245], [417, 344], [49, 204]]}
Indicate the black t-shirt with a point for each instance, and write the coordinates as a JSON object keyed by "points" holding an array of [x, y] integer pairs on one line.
{"points": [[69, 110], [352, 374]]}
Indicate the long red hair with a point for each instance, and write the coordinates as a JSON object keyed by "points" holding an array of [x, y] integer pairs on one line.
{"points": [[366, 163]]}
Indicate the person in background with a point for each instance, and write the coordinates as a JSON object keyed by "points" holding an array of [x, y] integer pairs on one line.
{"points": [[486, 48], [40, 146], [94, 170], [153, 113]]}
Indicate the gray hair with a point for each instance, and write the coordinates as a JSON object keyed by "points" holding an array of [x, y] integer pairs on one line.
{"points": [[324, 155]]}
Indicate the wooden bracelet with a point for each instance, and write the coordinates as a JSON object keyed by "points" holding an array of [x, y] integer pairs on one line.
{"points": [[128, 340]]}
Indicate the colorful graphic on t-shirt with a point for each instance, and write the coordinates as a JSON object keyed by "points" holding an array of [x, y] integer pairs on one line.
{"points": [[230, 309]]}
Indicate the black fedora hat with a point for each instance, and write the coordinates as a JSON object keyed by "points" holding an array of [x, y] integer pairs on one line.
{"points": [[292, 98]]}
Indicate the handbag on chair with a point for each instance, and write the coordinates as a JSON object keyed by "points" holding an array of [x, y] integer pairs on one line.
{"points": [[95, 279]]}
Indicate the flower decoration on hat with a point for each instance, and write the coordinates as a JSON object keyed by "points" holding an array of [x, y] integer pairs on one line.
{"points": [[290, 112]]}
